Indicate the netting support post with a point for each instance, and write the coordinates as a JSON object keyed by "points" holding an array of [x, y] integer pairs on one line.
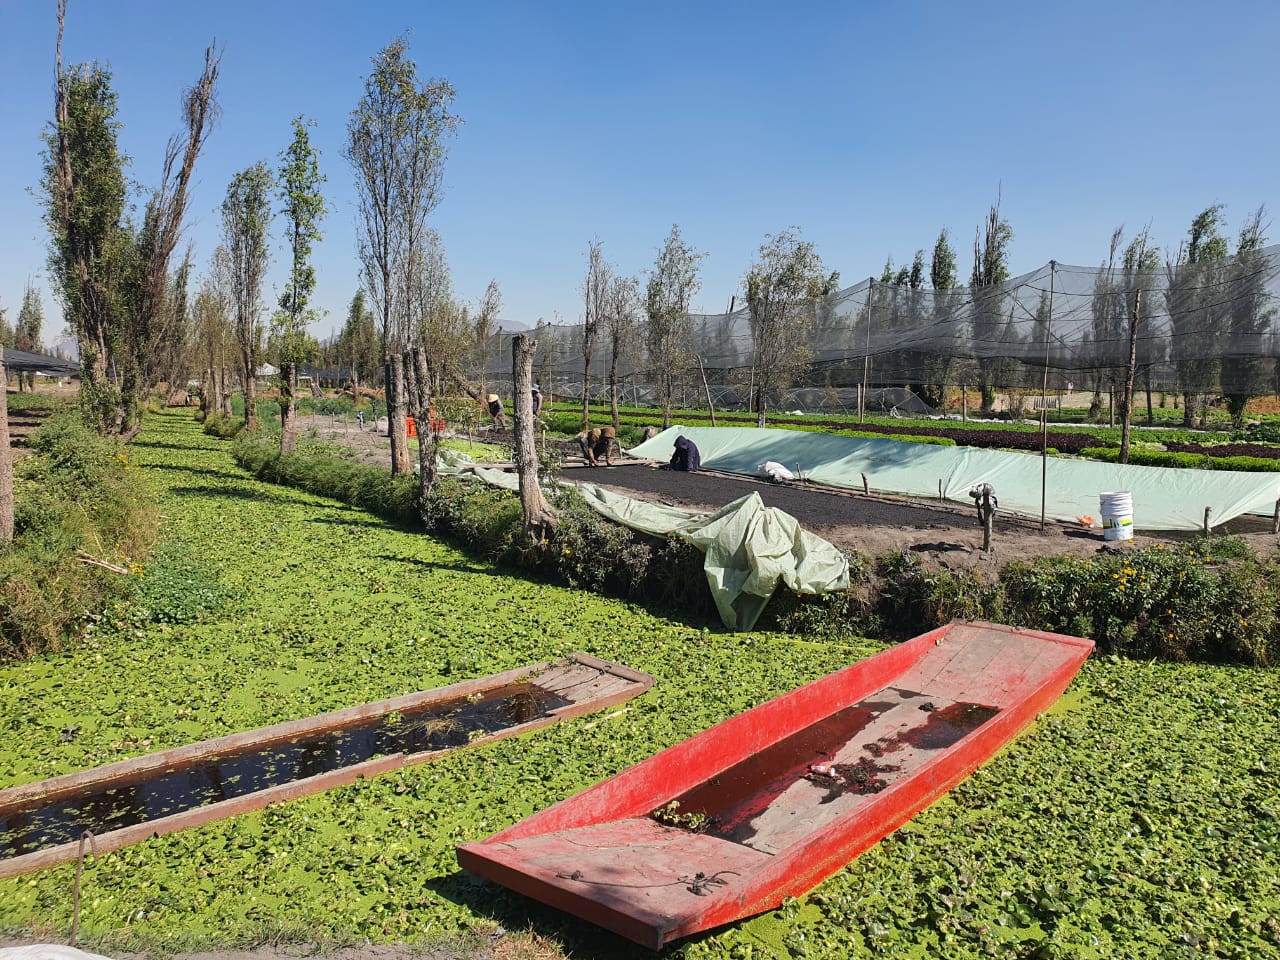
{"points": [[866, 357], [1044, 402], [1275, 521]]}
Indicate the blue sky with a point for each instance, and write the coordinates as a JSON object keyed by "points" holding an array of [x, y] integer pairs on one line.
{"points": [[868, 126]]}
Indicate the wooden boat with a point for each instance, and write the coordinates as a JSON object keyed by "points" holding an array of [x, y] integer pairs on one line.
{"points": [[170, 790], [768, 803]]}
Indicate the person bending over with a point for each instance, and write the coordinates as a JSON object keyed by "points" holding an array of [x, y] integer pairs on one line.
{"points": [[686, 456], [597, 443]]}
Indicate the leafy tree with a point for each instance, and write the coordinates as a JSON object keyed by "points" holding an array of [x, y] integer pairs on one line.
{"points": [[90, 249], [6, 463], [442, 339], [299, 183], [1196, 313], [26, 333], [1249, 318], [246, 219], [668, 294], [990, 328], [114, 280], [621, 320], [215, 344], [595, 292], [358, 342], [781, 287], [396, 143], [935, 366], [485, 327]]}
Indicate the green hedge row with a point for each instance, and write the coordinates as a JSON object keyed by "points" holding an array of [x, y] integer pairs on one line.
{"points": [[1184, 461], [1156, 602]]}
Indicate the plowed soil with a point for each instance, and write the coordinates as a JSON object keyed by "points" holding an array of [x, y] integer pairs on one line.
{"points": [[940, 534]]}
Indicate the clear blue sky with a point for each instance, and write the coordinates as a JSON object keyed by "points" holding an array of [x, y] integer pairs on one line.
{"points": [[869, 126]]}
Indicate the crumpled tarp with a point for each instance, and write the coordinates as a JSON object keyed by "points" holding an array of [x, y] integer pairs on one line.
{"points": [[1163, 499], [749, 547]]}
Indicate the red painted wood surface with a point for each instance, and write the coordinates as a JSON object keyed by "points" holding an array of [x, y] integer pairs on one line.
{"points": [[913, 721]]}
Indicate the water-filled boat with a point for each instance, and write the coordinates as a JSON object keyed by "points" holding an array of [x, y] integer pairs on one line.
{"points": [[770, 802]]}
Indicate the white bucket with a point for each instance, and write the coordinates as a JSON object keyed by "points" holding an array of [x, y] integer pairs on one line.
{"points": [[1117, 515]]}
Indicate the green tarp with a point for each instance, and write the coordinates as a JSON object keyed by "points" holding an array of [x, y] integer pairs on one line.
{"points": [[1163, 499], [749, 548]]}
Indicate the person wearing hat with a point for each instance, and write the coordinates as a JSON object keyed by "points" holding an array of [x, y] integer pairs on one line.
{"points": [[537, 401]]}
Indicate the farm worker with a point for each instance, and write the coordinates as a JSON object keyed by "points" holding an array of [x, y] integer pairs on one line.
{"points": [[495, 410], [537, 401], [686, 456], [360, 418], [597, 443]]}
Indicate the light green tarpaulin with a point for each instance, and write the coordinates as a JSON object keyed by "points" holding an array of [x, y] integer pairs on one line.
{"points": [[749, 547], [1163, 499]]}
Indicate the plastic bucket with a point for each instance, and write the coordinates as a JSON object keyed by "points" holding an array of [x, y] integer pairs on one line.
{"points": [[1117, 515]]}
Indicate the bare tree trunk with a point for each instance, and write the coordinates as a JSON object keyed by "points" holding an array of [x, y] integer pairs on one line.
{"points": [[6, 462], [1130, 374], [395, 418], [289, 408], [613, 390], [539, 518], [250, 397], [224, 384], [208, 391], [419, 377]]}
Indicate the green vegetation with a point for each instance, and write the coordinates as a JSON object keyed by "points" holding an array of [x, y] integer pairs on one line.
{"points": [[84, 518], [1137, 819]]}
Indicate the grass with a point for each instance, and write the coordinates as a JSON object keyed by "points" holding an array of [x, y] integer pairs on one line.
{"points": [[1138, 819]]}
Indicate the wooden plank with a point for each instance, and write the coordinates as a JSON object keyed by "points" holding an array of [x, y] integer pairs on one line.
{"points": [[612, 690]]}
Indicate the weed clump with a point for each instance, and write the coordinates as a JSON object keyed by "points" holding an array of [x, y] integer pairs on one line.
{"points": [[84, 520]]}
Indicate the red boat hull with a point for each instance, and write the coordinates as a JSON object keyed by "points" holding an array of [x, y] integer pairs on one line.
{"points": [[774, 800]]}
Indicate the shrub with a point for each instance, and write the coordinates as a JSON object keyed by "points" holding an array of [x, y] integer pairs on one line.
{"points": [[77, 499], [913, 599], [223, 427], [1154, 602], [1185, 461]]}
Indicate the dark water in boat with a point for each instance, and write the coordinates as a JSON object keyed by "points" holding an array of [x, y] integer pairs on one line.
{"points": [[730, 801], [438, 726]]}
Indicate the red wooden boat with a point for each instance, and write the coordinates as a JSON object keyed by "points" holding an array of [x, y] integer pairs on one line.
{"points": [[768, 803]]}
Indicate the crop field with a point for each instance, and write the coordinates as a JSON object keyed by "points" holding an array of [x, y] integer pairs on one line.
{"points": [[1139, 818]]}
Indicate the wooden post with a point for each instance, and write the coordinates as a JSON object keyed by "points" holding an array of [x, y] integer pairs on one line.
{"points": [[710, 406], [6, 459], [940, 496], [539, 518], [1275, 521], [1207, 511], [988, 517], [866, 357], [1044, 405], [866, 487]]}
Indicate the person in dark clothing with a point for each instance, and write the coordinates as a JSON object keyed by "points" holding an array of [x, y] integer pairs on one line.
{"points": [[537, 401], [496, 412], [597, 443], [686, 456]]}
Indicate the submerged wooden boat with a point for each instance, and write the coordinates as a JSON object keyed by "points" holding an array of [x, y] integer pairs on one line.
{"points": [[768, 803], [170, 790]]}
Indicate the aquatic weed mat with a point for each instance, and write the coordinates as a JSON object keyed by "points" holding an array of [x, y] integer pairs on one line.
{"points": [[1138, 819]]}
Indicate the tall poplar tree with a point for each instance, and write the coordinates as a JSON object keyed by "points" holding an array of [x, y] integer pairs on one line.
{"points": [[396, 144], [26, 331], [303, 208], [672, 284], [246, 218]]}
